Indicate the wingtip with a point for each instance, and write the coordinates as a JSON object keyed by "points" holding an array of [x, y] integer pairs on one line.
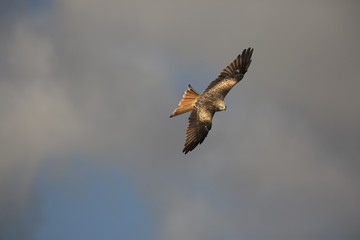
{"points": [[187, 149], [249, 50]]}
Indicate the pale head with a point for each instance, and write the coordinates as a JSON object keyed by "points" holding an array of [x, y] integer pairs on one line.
{"points": [[220, 105]]}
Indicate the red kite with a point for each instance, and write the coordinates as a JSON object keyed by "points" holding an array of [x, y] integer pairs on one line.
{"points": [[203, 106]]}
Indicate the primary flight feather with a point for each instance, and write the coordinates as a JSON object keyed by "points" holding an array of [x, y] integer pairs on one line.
{"points": [[203, 106]]}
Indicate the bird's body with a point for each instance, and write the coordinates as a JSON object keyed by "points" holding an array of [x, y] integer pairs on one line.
{"points": [[203, 106]]}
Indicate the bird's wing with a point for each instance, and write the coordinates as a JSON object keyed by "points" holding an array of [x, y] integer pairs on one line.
{"points": [[231, 75], [200, 122]]}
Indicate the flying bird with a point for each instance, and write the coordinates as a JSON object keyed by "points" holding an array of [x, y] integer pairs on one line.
{"points": [[203, 106]]}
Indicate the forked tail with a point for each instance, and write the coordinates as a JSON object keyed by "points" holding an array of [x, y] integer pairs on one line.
{"points": [[187, 102]]}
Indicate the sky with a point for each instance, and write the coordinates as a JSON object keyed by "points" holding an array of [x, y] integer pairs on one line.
{"points": [[88, 150]]}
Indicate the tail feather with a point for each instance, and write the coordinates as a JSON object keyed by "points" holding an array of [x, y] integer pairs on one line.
{"points": [[187, 102]]}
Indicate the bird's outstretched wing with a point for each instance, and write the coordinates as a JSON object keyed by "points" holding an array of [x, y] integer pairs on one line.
{"points": [[231, 75], [200, 122]]}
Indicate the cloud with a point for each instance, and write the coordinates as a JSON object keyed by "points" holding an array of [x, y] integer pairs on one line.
{"points": [[100, 79]]}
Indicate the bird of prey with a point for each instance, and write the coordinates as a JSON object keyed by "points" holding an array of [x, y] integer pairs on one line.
{"points": [[203, 106]]}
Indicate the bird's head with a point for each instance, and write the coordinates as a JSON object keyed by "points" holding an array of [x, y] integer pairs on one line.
{"points": [[221, 106]]}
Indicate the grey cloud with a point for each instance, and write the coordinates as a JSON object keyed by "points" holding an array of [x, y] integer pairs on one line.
{"points": [[102, 80]]}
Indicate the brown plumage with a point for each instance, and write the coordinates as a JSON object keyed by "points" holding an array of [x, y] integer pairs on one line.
{"points": [[187, 102], [210, 101]]}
